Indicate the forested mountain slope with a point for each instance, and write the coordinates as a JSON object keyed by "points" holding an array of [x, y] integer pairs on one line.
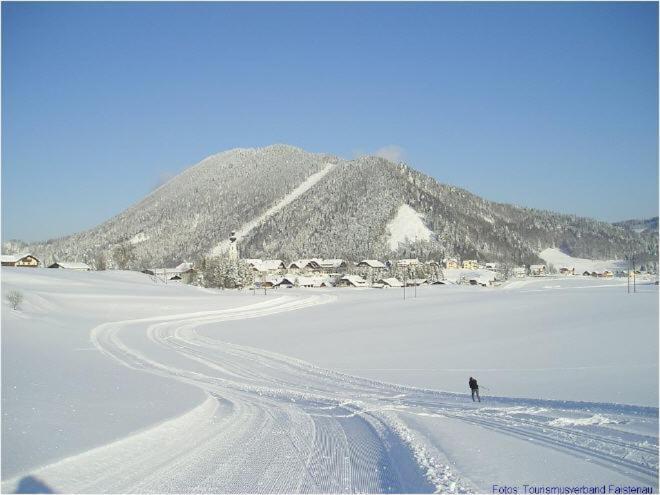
{"points": [[288, 203]]}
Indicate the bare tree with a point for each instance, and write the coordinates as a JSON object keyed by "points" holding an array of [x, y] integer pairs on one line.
{"points": [[15, 298], [100, 262]]}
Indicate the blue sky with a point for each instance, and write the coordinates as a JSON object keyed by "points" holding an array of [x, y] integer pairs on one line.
{"points": [[547, 105]]}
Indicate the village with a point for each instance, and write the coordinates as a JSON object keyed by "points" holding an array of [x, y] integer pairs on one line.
{"points": [[367, 273]]}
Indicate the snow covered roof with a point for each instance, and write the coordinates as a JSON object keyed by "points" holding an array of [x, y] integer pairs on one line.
{"points": [[252, 261], [372, 263], [312, 281], [392, 282], [164, 272], [332, 263], [13, 258], [537, 267], [269, 265], [311, 263], [70, 265], [184, 267], [355, 280]]}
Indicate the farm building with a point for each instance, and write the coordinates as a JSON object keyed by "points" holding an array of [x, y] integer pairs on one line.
{"points": [[20, 260], [352, 281], [176, 273], [408, 262], [67, 265], [567, 271], [390, 282]]}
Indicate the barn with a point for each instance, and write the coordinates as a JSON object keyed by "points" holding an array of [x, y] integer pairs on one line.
{"points": [[71, 265]]}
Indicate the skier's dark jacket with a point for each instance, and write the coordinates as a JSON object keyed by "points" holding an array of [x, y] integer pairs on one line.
{"points": [[473, 384]]}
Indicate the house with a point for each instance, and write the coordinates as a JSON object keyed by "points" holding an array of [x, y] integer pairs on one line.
{"points": [[586, 273], [537, 270], [519, 271], [252, 262], [177, 273], [314, 281], [287, 281], [20, 260], [567, 271], [372, 264], [269, 266], [163, 273], [451, 263], [492, 266], [66, 265], [184, 267], [390, 282], [412, 282], [352, 281], [333, 265], [608, 274], [306, 265], [269, 282], [470, 264], [408, 262]]}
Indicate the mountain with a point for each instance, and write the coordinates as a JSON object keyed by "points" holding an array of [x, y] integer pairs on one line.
{"points": [[650, 225], [286, 203]]}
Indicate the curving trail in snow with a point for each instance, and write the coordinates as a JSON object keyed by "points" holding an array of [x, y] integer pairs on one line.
{"points": [[271, 423]]}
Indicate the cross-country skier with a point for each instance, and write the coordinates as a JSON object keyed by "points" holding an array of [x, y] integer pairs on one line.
{"points": [[474, 386]]}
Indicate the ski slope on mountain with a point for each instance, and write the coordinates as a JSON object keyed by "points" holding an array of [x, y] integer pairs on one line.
{"points": [[251, 419], [407, 226], [305, 186]]}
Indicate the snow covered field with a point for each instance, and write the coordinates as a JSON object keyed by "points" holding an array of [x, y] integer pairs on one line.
{"points": [[112, 383]]}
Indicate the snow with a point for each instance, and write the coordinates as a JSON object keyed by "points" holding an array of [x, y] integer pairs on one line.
{"points": [[407, 226], [483, 276], [113, 383], [559, 260], [138, 238], [289, 198]]}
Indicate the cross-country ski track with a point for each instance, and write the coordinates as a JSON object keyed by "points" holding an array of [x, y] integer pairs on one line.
{"points": [[271, 423]]}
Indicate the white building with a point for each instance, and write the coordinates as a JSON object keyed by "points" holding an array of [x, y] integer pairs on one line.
{"points": [[390, 282]]}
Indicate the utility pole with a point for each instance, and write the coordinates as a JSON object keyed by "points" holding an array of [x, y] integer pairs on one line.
{"points": [[404, 284]]}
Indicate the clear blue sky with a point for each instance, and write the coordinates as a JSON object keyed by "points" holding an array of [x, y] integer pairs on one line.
{"points": [[552, 106]]}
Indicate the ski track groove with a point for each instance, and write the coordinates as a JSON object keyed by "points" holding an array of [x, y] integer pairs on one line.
{"points": [[300, 428]]}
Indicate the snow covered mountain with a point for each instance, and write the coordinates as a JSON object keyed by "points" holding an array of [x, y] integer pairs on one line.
{"points": [[286, 203]]}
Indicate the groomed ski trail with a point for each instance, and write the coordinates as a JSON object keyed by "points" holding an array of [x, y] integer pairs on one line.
{"points": [[271, 423]]}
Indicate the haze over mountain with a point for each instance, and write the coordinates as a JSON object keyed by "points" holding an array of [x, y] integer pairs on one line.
{"points": [[286, 203]]}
